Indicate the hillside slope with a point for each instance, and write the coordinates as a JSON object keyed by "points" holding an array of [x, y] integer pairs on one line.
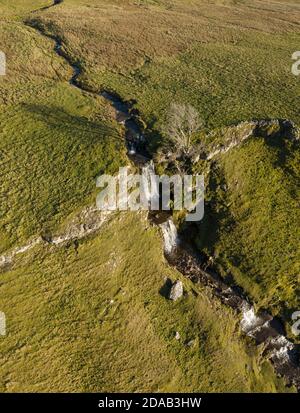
{"points": [[251, 225], [90, 314]]}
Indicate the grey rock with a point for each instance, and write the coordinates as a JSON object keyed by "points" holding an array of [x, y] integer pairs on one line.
{"points": [[176, 291]]}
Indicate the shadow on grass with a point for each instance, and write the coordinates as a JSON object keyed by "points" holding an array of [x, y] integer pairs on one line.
{"points": [[58, 119], [166, 288]]}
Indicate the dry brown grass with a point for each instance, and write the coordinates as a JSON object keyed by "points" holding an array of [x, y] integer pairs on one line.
{"points": [[122, 34]]}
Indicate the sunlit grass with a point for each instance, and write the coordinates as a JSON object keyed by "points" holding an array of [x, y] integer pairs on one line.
{"points": [[95, 321]]}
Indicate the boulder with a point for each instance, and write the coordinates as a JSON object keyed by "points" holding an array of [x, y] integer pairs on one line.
{"points": [[176, 291]]}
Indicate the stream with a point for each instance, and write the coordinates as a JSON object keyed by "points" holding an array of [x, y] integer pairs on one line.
{"points": [[182, 254]]}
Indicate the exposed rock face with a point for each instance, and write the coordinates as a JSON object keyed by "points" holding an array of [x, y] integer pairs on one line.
{"points": [[267, 330], [88, 221], [251, 323], [176, 291], [235, 135], [170, 235], [7, 258]]}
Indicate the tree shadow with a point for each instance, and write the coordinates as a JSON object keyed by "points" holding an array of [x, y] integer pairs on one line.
{"points": [[154, 138], [58, 119]]}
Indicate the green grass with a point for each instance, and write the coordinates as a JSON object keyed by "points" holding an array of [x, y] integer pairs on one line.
{"points": [[231, 64], [95, 321], [19, 8], [251, 221], [54, 141], [226, 83], [231, 61], [51, 164]]}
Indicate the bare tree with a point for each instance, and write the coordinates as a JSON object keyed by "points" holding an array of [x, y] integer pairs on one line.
{"points": [[183, 122]]}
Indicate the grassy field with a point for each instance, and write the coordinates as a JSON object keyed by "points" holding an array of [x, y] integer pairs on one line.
{"points": [[232, 62], [19, 8], [54, 141], [96, 321], [92, 318], [251, 221]]}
